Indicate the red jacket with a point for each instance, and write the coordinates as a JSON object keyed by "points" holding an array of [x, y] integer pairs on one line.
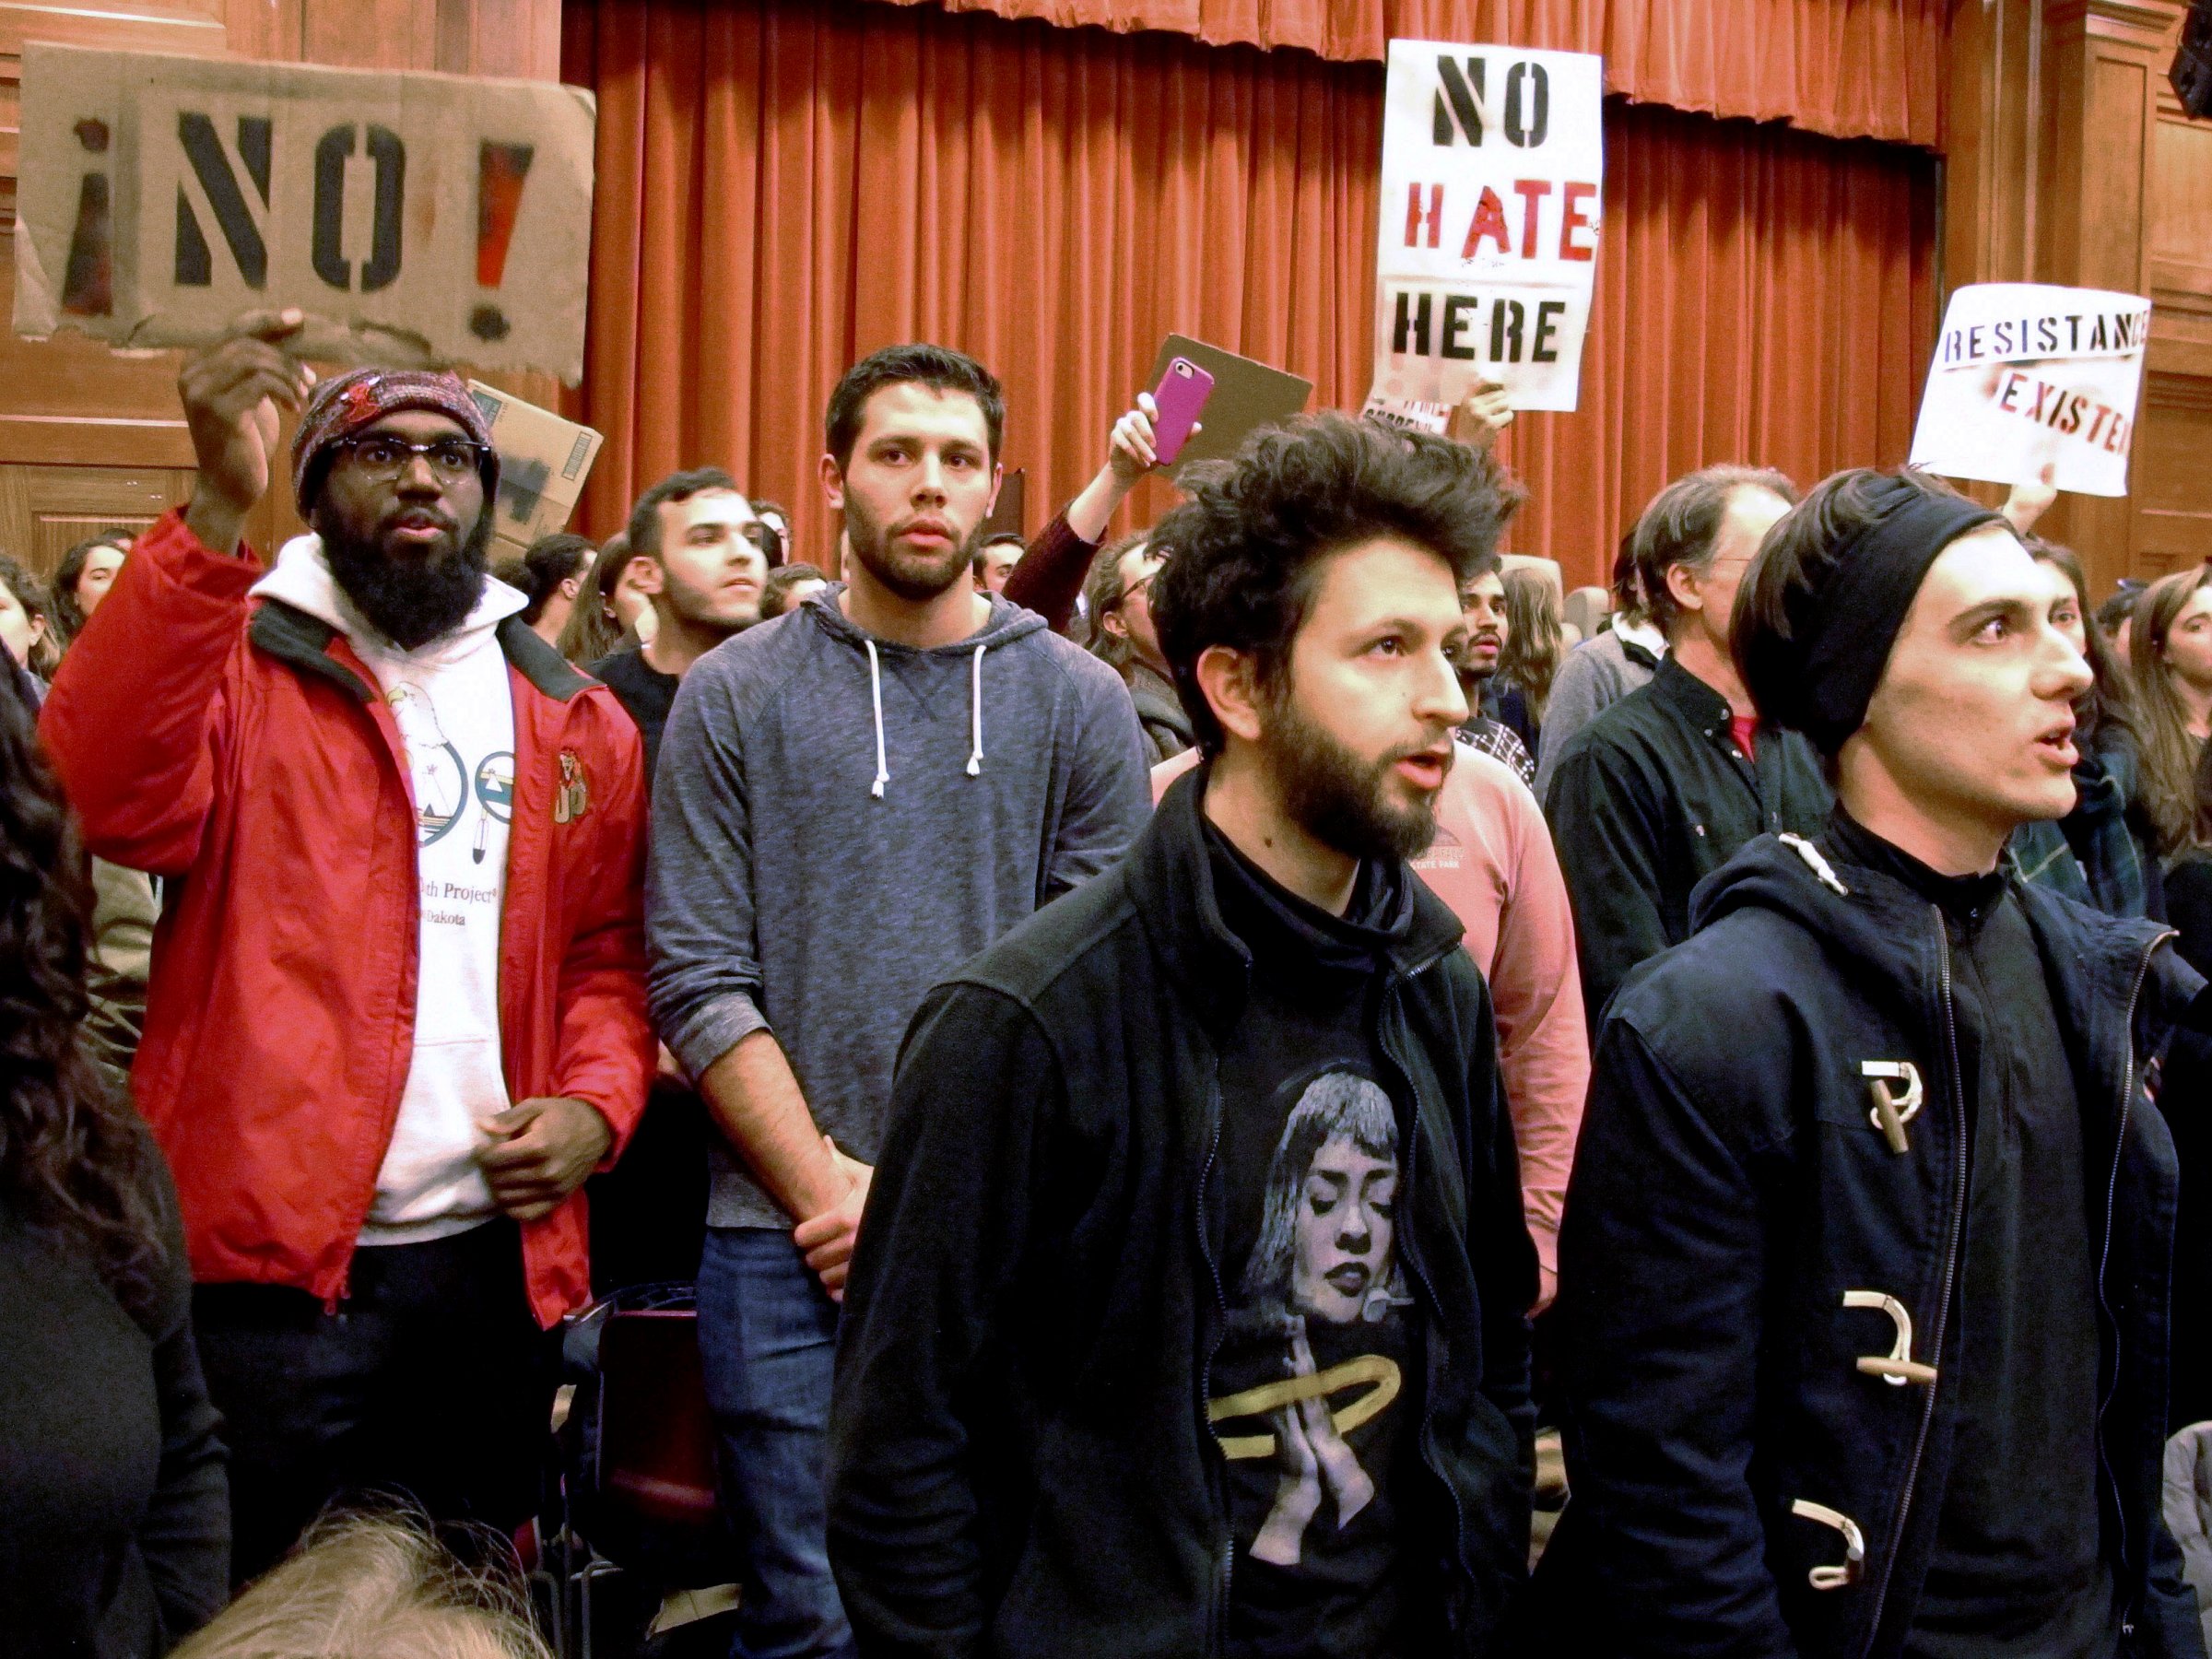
{"points": [[239, 750]]}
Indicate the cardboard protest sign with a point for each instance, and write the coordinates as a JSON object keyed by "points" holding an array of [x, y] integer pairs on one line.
{"points": [[2028, 374], [1493, 169], [416, 218], [543, 461], [1246, 396]]}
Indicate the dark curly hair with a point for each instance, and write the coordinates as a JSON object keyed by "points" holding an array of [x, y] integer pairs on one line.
{"points": [[1251, 541], [73, 1155]]}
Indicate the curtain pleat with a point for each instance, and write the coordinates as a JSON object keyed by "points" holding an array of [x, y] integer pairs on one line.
{"points": [[1848, 69], [786, 184]]}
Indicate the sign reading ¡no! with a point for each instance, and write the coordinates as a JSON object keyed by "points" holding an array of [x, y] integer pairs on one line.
{"points": [[416, 218]]}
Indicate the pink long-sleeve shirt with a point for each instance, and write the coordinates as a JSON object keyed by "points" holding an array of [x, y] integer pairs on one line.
{"points": [[1492, 862]]}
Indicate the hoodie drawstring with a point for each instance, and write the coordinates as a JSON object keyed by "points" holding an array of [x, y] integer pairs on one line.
{"points": [[1815, 863], [975, 706], [975, 717], [883, 770]]}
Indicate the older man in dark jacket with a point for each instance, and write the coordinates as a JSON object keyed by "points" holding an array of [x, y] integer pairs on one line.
{"points": [[1865, 1258], [1662, 788]]}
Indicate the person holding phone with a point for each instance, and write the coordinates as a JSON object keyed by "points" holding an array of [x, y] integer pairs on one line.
{"points": [[1049, 578]]}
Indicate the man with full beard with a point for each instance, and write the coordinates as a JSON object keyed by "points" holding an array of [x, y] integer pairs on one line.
{"points": [[398, 1009], [851, 802], [1188, 1315]]}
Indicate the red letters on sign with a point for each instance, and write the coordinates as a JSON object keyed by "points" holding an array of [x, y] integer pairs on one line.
{"points": [[1571, 221], [1489, 224], [1531, 192], [1433, 215]]}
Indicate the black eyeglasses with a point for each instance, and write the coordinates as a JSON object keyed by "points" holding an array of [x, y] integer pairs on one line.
{"points": [[383, 457]]}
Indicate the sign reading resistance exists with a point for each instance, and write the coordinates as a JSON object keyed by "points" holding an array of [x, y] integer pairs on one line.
{"points": [[1493, 169], [416, 218], [2028, 376]]}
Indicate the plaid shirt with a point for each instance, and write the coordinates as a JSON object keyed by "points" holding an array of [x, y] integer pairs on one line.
{"points": [[1501, 743]]}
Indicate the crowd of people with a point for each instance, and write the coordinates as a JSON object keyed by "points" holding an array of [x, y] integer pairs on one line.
{"points": [[1166, 1060]]}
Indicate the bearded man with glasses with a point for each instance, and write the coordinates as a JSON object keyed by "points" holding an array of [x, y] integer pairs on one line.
{"points": [[398, 1011]]}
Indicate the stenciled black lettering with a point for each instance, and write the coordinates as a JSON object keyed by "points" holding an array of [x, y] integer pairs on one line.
{"points": [[1542, 350], [326, 251], [1527, 105], [1456, 323], [390, 158], [1465, 102], [194, 258], [1416, 325], [1507, 319]]}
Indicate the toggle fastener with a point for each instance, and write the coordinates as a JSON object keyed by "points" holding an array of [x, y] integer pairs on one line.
{"points": [[1892, 1111], [1898, 1367], [1855, 1545]]}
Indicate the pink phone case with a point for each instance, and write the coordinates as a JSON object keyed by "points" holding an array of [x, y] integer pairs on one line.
{"points": [[1181, 394]]}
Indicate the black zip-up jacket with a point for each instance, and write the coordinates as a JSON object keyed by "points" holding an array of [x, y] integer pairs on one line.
{"points": [[1652, 797], [1745, 1478], [1019, 1457]]}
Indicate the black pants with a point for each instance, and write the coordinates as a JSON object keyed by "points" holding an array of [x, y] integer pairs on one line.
{"points": [[431, 1379]]}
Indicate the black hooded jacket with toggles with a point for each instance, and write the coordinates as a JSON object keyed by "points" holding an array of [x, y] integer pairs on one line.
{"points": [[1740, 1485]]}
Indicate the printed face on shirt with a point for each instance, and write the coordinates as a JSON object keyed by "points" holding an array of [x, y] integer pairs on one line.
{"points": [[1973, 723], [1327, 1240], [1343, 1229], [917, 490], [1358, 732], [709, 572]]}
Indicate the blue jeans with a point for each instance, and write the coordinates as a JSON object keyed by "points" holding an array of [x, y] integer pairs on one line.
{"points": [[768, 1337]]}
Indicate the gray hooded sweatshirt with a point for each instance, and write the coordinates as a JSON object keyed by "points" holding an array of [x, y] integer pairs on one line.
{"points": [[840, 822]]}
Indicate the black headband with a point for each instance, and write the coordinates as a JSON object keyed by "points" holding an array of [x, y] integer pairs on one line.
{"points": [[1847, 625]]}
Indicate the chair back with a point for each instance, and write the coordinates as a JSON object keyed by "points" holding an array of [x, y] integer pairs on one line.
{"points": [[656, 1436]]}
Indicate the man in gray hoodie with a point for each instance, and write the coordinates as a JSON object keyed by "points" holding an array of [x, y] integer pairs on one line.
{"points": [[850, 801]]}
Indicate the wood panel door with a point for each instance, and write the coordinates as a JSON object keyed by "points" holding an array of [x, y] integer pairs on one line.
{"points": [[45, 510]]}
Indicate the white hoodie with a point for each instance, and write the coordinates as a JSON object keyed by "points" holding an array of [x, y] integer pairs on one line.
{"points": [[456, 713]]}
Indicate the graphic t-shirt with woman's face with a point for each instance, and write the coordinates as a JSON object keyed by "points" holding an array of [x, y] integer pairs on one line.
{"points": [[1314, 1394]]}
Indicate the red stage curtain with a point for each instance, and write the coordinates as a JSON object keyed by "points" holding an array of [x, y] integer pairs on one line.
{"points": [[1849, 68], [785, 185]]}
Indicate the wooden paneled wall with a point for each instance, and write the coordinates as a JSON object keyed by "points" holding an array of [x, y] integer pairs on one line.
{"points": [[91, 436], [2068, 161]]}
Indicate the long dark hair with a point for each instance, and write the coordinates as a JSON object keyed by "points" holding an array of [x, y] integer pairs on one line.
{"points": [[72, 1153], [2169, 752], [593, 632], [1534, 645], [68, 617]]}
